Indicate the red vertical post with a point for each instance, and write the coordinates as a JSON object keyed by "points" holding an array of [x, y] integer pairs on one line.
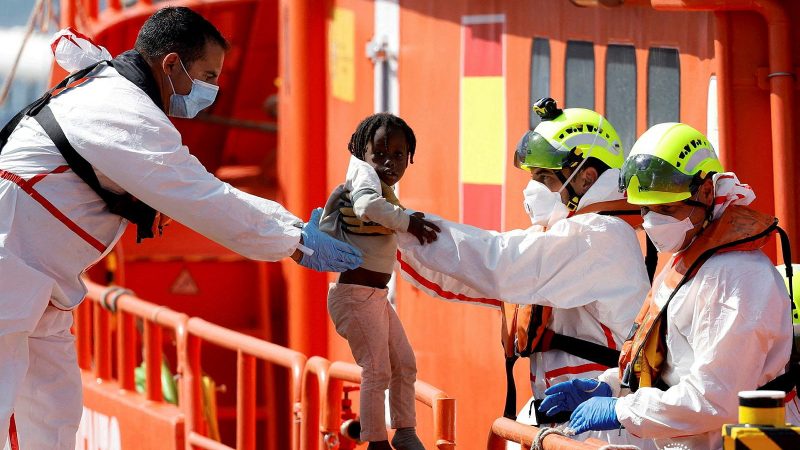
{"points": [[102, 347], [245, 401], [83, 334], [152, 359], [67, 13], [126, 350], [302, 156]]}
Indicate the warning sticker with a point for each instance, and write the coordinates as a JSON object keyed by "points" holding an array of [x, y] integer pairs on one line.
{"points": [[184, 284]]}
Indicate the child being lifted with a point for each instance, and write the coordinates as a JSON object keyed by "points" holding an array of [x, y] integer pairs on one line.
{"points": [[365, 213]]}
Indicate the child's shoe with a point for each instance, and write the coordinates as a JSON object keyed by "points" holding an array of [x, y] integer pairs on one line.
{"points": [[407, 439], [379, 445]]}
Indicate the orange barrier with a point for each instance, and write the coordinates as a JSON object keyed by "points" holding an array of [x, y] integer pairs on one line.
{"points": [[106, 341], [248, 350], [504, 429], [322, 388]]}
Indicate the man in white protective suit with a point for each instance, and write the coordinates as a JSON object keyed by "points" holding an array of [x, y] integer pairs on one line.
{"points": [[580, 263], [718, 318], [75, 169]]}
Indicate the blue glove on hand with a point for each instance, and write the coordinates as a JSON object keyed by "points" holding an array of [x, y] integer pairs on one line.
{"points": [[330, 255], [567, 395], [595, 414]]}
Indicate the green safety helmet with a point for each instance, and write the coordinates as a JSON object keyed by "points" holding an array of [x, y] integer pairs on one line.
{"points": [[667, 164], [566, 137], [795, 289]]}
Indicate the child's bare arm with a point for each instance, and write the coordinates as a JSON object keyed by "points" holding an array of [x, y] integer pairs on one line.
{"points": [[424, 230]]}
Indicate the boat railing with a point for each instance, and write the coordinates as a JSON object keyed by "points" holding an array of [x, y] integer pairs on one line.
{"points": [[115, 330], [107, 337], [506, 430], [248, 351], [323, 386]]}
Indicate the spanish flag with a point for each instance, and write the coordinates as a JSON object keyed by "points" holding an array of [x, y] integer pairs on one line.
{"points": [[482, 121]]}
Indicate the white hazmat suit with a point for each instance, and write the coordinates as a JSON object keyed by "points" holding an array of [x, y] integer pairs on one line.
{"points": [[728, 330], [588, 267], [53, 227]]}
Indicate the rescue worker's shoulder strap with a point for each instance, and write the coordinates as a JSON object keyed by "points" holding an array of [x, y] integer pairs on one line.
{"points": [[629, 379], [40, 103], [524, 331], [121, 204], [790, 379]]}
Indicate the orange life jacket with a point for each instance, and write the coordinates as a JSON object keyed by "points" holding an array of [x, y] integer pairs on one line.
{"points": [[354, 225], [738, 229]]}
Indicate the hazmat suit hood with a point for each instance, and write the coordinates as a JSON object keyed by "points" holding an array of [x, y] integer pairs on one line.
{"points": [[603, 190]]}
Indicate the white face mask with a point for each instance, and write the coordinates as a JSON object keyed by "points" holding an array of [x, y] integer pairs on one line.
{"points": [[666, 232], [200, 97], [543, 206]]}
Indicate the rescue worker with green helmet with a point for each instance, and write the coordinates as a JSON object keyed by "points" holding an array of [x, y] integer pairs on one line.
{"points": [[580, 267], [716, 320]]}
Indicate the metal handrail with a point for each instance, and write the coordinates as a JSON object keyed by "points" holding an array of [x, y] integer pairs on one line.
{"points": [[248, 350], [107, 302], [321, 404], [504, 430]]}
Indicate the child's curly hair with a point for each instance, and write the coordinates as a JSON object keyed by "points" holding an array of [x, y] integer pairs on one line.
{"points": [[365, 133]]}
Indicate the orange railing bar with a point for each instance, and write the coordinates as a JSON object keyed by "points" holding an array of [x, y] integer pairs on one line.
{"points": [[108, 301], [248, 349], [504, 429], [315, 412], [321, 404]]}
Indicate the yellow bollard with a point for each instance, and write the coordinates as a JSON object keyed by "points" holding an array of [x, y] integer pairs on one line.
{"points": [[762, 424]]}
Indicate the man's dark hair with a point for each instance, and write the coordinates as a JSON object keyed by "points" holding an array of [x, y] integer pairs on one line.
{"points": [[180, 30], [365, 133]]}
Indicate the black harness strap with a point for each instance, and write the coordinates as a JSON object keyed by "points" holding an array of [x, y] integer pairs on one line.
{"points": [[124, 205], [587, 350], [790, 379], [581, 348]]}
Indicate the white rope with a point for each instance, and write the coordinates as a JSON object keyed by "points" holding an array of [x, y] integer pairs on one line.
{"points": [[564, 430], [538, 440]]}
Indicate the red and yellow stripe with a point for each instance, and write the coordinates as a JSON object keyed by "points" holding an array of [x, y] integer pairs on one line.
{"points": [[482, 121]]}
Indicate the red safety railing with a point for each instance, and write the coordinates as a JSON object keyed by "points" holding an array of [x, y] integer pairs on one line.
{"points": [[323, 385], [97, 343], [107, 345], [248, 350], [504, 430]]}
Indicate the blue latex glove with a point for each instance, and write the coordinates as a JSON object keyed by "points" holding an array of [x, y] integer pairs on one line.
{"points": [[330, 255], [567, 395], [597, 414]]}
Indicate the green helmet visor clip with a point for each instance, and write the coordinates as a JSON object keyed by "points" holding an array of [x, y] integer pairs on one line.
{"points": [[656, 174]]}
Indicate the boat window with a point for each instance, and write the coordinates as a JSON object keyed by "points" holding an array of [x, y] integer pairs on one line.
{"points": [[621, 92], [712, 114], [540, 76], [579, 75], [663, 86]]}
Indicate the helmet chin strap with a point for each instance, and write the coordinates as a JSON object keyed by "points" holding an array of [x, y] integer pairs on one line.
{"points": [[574, 198], [709, 209]]}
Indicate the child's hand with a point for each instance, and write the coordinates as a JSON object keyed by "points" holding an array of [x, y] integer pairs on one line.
{"points": [[422, 229]]}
